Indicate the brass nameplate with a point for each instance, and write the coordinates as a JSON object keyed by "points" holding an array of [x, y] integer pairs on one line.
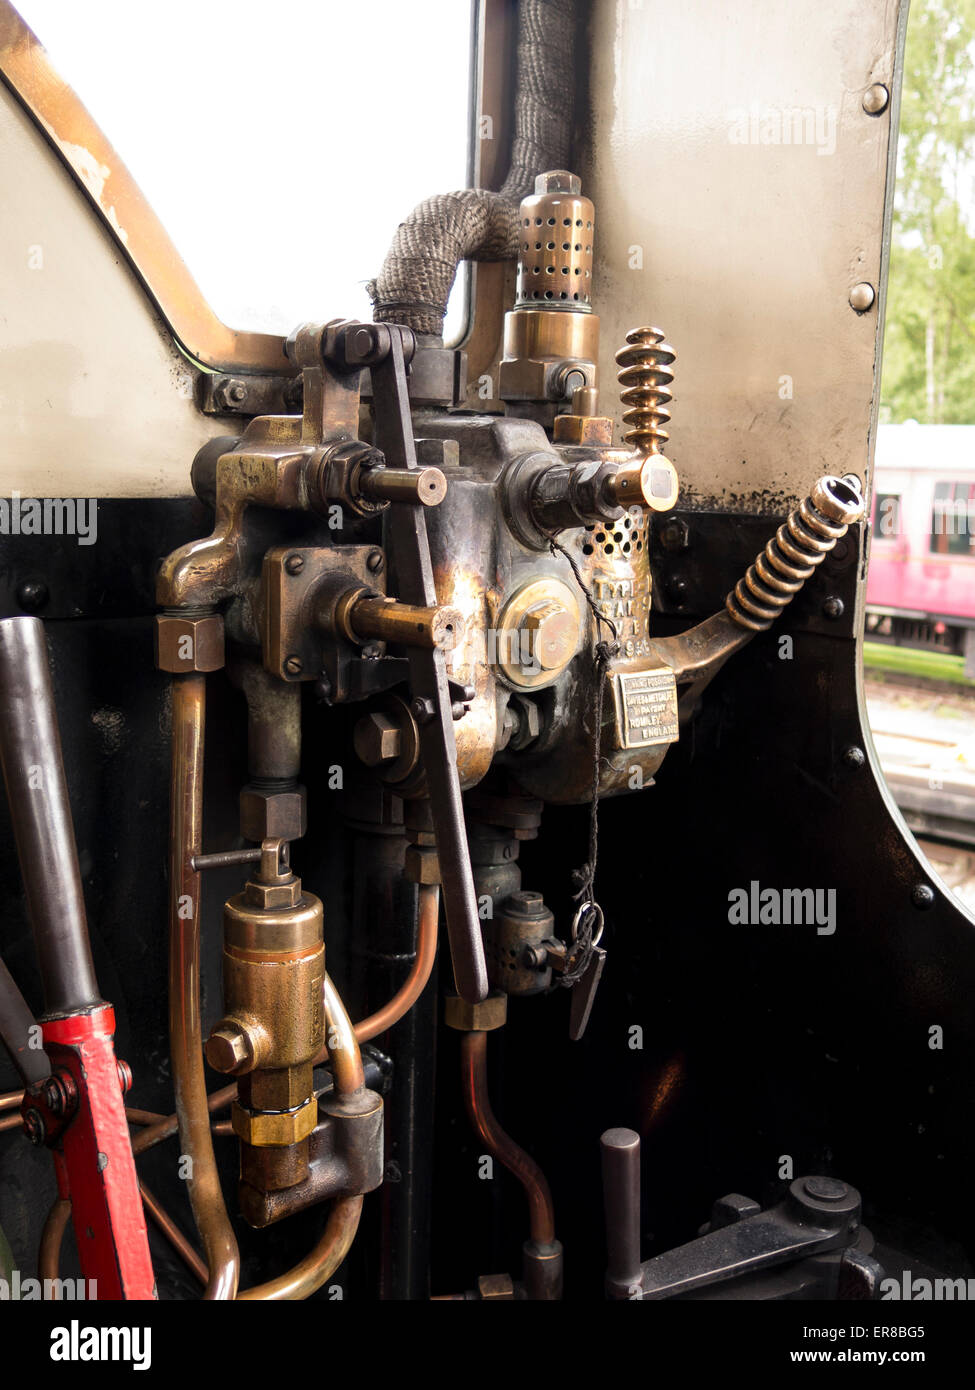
{"points": [[646, 708]]}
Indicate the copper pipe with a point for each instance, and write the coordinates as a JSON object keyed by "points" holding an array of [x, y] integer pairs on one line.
{"points": [[185, 1028], [143, 1117], [343, 1220], [173, 1234], [505, 1150], [49, 1255], [10, 1122], [420, 972], [11, 1100], [168, 1126]]}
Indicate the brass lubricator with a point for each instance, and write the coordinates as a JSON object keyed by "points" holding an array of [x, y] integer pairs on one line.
{"points": [[274, 967], [803, 542]]}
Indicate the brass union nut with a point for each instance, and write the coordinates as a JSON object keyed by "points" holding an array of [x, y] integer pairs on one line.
{"points": [[266, 815], [185, 644], [491, 1013], [274, 1130]]}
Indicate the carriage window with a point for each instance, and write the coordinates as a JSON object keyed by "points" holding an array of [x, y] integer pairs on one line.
{"points": [[919, 642], [280, 145], [886, 516], [953, 518]]}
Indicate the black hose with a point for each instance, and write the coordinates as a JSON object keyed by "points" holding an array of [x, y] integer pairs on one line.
{"points": [[30, 751]]}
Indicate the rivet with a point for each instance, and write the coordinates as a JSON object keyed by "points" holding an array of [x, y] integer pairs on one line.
{"points": [[862, 297], [875, 99]]}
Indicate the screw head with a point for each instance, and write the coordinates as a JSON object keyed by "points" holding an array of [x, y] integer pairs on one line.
{"points": [[862, 297], [834, 607], [293, 665], [875, 99], [922, 895], [854, 756], [294, 564], [375, 562]]}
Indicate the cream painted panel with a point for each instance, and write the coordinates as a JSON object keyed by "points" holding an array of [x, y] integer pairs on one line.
{"points": [[94, 399], [749, 249]]}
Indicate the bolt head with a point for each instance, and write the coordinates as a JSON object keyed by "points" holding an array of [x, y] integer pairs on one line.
{"points": [[834, 607], [228, 1048], [53, 1097], [854, 756], [875, 99], [377, 739], [551, 632]]}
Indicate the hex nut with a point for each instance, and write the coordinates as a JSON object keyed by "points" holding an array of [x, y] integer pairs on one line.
{"points": [[422, 865], [267, 815], [489, 1014], [377, 739], [185, 644], [558, 181], [274, 1129]]}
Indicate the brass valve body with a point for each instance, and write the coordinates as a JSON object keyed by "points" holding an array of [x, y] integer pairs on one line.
{"points": [[274, 967]]}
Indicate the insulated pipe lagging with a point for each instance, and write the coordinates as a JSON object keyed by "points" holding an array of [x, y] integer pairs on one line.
{"points": [[475, 224]]}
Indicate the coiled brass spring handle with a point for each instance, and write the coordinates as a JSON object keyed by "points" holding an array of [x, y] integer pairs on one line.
{"points": [[648, 479], [803, 542]]}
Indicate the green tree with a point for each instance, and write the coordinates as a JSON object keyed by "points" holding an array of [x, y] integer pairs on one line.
{"points": [[929, 349]]}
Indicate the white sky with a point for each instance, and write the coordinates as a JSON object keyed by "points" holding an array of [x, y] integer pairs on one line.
{"points": [[279, 141]]}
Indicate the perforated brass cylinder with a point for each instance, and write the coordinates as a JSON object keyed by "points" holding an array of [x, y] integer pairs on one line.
{"points": [[555, 249]]}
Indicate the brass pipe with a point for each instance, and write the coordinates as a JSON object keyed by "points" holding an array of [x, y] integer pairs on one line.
{"points": [[10, 1122], [49, 1255], [343, 1221], [505, 1150], [185, 1028], [173, 1234], [11, 1100]]}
